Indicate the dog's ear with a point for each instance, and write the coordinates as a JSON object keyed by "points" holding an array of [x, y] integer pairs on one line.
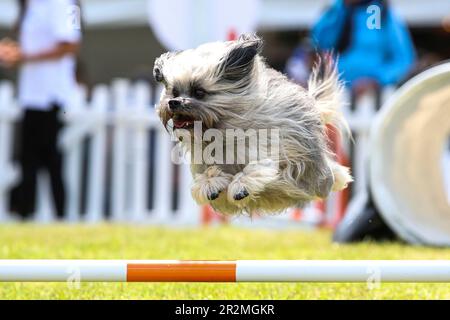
{"points": [[158, 69], [238, 62]]}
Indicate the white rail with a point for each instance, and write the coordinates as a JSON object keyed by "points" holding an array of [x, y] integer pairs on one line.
{"points": [[369, 271]]}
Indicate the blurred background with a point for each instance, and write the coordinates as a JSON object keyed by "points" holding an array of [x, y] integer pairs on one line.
{"points": [[118, 31], [116, 156]]}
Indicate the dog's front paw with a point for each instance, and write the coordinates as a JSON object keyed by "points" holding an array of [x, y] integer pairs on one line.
{"points": [[213, 195], [238, 193], [206, 192], [241, 194], [208, 186]]}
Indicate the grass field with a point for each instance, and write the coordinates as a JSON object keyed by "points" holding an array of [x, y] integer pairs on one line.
{"points": [[124, 242]]}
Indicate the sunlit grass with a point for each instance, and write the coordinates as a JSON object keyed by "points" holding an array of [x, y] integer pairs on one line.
{"points": [[221, 243]]}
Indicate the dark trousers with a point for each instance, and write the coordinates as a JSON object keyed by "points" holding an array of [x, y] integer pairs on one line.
{"points": [[39, 150]]}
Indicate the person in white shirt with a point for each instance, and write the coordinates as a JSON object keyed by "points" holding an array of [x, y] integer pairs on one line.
{"points": [[49, 39]]}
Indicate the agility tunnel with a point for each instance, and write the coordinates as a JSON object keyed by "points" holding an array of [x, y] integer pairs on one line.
{"points": [[225, 271], [408, 165]]}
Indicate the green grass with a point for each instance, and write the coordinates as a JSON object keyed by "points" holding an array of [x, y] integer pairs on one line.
{"points": [[126, 242]]}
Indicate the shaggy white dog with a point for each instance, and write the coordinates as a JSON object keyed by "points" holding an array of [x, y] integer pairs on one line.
{"points": [[227, 86]]}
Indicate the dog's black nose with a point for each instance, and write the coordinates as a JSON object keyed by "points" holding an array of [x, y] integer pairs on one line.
{"points": [[174, 104]]}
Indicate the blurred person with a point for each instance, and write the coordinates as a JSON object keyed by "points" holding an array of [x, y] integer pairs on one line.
{"points": [[370, 56], [49, 39], [374, 49]]}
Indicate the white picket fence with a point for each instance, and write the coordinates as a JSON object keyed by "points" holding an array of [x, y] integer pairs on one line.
{"points": [[118, 121]]}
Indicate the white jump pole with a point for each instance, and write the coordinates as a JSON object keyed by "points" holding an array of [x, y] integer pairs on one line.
{"points": [[225, 271]]}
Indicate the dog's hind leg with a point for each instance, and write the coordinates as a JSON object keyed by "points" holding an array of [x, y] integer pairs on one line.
{"points": [[341, 176], [246, 185], [208, 185]]}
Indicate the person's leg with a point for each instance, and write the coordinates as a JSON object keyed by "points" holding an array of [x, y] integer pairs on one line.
{"points": [[54, 162], [29, 162]]}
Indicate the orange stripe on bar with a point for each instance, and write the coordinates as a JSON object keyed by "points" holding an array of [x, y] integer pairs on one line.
{"points": [[182, 271]]}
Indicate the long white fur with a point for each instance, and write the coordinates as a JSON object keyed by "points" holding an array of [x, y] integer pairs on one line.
{"points": [[305, 168]]}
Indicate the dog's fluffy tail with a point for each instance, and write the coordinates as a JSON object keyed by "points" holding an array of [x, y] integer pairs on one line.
{"points": [[326, 88]]}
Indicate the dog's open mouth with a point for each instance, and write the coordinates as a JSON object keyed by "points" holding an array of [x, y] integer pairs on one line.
{"points": [[183, 121]]}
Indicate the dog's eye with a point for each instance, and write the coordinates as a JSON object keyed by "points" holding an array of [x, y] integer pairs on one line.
{"points": [[199, 93], [175, 92]]}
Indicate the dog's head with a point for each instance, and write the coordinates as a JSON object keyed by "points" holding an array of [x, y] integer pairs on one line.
{"points": [[208, 83]]}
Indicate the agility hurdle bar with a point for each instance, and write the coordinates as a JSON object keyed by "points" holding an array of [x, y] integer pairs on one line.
{"points": [[225, 271]]}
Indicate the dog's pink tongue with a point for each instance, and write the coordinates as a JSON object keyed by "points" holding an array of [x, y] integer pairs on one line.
{"points": [[180, 123]]}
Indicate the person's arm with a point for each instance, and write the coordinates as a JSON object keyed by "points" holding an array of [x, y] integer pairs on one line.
{"points": [[326, 31], [14, 56], [399, 50], [68, 37], [62, 49]]}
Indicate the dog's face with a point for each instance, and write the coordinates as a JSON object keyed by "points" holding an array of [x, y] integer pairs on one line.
{"points": [[206, 83]]}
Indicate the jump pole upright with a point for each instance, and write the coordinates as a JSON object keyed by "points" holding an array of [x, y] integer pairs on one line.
{"points": [[225, 271]]}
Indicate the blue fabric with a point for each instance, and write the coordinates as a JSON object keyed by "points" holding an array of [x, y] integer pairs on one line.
{"points": [[385, 55]]}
